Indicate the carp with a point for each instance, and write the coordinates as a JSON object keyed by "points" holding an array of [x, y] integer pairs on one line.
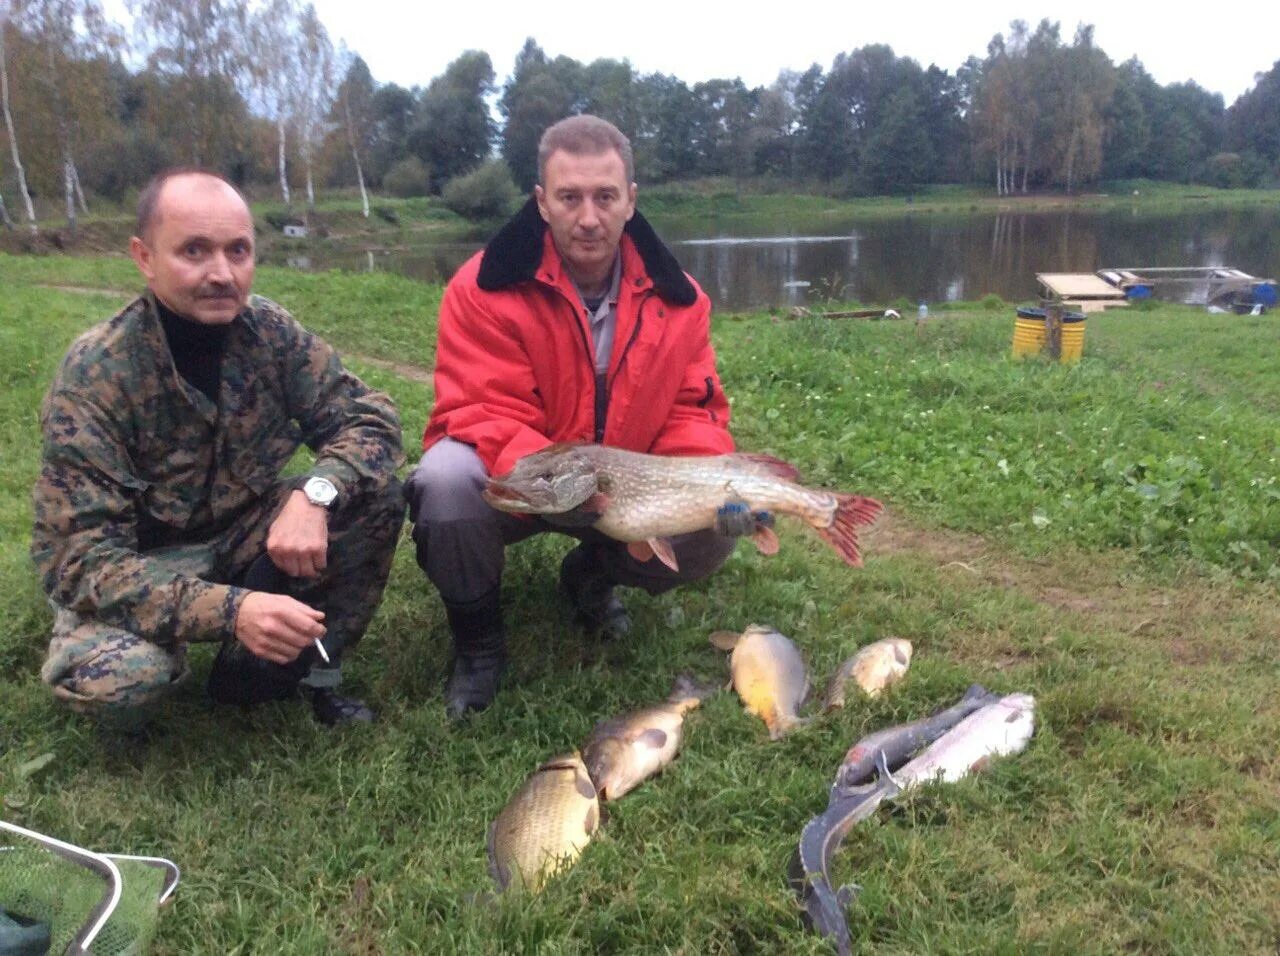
{"points": [[873, 668], [545, 825], [644, 500], [769, 675], [623, 752]]}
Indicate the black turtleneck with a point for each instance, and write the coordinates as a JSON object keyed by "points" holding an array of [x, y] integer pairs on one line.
{"points": [[196, 348]]}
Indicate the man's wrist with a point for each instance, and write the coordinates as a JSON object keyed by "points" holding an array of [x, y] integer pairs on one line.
{"points": [[320, 492]]}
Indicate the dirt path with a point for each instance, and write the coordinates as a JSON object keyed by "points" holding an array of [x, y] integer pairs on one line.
{"points": [[414, 373], [1198, 620], [86, 290]]}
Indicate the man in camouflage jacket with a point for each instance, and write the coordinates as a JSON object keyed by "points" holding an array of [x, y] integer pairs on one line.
{"points": [[161, 517]]}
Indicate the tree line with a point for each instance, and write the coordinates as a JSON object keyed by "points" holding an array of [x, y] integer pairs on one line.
{"points": [[258, 90]]}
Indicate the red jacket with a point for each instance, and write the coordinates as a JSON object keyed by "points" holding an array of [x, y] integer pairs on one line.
{"points": [[515, 370]]}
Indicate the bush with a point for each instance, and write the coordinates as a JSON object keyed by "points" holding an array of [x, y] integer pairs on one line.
{"points": [[488, 192], [409, 177], [991, 303]]}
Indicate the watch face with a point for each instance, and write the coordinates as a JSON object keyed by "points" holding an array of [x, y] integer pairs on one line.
{"points": [[320, 491]]}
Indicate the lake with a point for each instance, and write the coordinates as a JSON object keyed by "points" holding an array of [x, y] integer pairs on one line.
{"points": [[932, 257]]}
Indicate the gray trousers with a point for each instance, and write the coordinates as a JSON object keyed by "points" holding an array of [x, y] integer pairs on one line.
{"points": [[461, 540]]}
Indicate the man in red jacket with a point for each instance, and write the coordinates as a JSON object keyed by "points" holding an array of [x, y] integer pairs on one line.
{"points": [[574, 324]]}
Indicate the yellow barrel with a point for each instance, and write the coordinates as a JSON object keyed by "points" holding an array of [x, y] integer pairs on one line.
{"points": [[1029, 337]]}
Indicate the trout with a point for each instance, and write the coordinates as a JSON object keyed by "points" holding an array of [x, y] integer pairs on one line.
{"points": [[645, 500], [623, 752], [873, 668], [769, 675], [961, 739], [545, 825]]}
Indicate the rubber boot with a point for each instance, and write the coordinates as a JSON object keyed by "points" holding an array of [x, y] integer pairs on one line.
{"points": [[590, 591], [479, 655]]}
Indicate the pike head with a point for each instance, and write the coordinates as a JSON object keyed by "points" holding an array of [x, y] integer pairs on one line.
{"points": [[551, 481]]}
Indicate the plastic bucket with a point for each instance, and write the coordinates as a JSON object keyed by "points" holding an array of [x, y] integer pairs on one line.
{"points": [[1029, 336]]}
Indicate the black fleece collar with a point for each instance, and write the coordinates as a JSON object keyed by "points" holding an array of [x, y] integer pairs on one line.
{"points": [[514, 254]]}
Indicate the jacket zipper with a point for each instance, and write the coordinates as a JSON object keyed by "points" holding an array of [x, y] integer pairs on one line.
{"points": [[600, 403]]}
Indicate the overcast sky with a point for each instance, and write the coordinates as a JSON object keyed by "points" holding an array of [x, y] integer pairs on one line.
{"points": [[1220, 45]]}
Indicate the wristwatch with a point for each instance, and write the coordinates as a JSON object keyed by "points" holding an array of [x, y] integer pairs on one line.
{"points": [[320, 491]]}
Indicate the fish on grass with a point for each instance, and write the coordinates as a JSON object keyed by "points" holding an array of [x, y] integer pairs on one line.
{"points": [[545, 825], [623, 752], [645, 500], [769, 675], [872, 668]]}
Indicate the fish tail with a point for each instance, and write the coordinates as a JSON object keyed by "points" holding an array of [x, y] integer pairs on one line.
{"points": [[688, 693], [852, 512], [783, 724]]}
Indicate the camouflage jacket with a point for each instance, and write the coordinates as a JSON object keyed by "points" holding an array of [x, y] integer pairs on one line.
{"points": [[135, 456]]}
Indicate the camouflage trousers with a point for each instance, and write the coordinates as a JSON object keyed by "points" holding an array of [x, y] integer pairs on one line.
{"points": [[94, 666]]}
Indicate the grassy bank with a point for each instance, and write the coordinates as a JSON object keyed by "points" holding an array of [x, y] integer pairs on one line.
{"points": [[1102, 536]]}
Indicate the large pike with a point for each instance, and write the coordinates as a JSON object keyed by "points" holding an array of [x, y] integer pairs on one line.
{"points": [[545, 825], [962, 739], [769, 675], [623, 752], [646, 499]]}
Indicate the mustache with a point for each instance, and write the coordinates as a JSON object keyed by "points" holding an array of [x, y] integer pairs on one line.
{"points": [[217, 290]]}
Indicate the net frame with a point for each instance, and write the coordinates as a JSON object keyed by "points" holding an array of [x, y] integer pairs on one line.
{"points": [[91, 931]]}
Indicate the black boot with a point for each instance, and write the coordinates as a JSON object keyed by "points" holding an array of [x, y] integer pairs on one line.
{"points": [[479, 655], [590, 591], [334, 710]]}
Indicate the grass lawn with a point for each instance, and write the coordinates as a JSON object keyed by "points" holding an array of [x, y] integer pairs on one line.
{"points": [[1103, 536]]}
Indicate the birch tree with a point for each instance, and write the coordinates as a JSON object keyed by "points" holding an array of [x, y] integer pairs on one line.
{"points": [[72, 39], [355, 100], [272, 70], [313, 91], [5, 12]]}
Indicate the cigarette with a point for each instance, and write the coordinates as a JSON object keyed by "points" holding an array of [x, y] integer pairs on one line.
{"points": [[324, 655]]}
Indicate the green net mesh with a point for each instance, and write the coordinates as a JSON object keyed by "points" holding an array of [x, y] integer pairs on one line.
{"points": [[38, 884]]}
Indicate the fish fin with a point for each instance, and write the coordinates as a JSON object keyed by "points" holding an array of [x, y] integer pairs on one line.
{"points": [[725, 640], [766, 540], [653, 738], [845, 895], [662, 550], [501, 875], [596, 504], [775, 466], [640, 550], [852, 512]]}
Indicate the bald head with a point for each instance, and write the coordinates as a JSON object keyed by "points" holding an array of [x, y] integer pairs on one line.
{"points": [[195, 245], [185, 179]]}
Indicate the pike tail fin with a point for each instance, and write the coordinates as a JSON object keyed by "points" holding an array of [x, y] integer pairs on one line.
{"points": [[852, 512]]}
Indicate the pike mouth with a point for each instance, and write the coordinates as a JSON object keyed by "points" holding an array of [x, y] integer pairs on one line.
{"points": [[496, 492]]}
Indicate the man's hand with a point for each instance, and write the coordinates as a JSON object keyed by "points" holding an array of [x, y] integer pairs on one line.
{"points": [[735, 519], [275, 627], [298, 540]]}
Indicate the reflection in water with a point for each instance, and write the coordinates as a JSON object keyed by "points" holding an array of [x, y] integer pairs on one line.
{"points": [[923, 257]]}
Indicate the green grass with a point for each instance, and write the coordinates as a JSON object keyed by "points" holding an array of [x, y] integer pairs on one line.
{"points": [[1026, 551]]}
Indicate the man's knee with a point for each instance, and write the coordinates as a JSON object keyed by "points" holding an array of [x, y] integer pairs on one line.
{"points": [[378, 514], [446, 485], [95, 668]]}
